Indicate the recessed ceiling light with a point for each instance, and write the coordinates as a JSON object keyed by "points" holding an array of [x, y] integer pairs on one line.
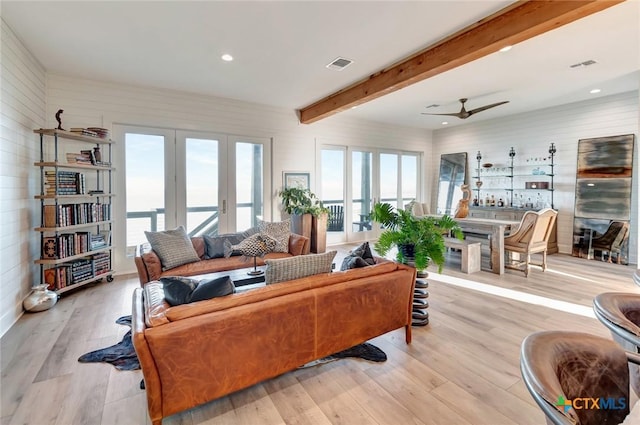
{"points": [[594, 91], [445, 122], [505, 49], [227, 57]]}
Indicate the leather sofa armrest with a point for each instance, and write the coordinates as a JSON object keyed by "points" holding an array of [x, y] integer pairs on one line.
{"points": [[298, 244], [149, 267]]}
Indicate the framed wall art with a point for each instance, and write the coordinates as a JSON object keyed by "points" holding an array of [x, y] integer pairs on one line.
{"points": [[299, 179]]}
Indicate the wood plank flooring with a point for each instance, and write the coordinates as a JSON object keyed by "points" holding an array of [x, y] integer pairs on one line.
{"points": [[461, 369]]}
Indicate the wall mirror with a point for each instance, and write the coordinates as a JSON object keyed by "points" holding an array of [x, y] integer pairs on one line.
{"points": [[453, 174]]}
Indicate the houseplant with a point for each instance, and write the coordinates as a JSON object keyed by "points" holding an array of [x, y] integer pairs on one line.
{"points": [[420, 240], [308, 215]]}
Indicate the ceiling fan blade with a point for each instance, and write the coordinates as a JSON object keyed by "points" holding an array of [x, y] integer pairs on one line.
{"points": [[456, 114], [484, 108]]}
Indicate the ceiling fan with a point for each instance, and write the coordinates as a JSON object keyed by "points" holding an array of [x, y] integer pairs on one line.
{"points": [[464, 114]]}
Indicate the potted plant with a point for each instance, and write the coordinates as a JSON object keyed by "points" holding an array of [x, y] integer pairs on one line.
{"points": [[308, 215], [419, 240]]}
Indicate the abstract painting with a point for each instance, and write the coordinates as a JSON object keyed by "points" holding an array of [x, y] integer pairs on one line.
{"points": [[603, 187]]}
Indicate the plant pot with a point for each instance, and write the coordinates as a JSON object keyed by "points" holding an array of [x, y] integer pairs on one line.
{"points": [[301, 224], [319, 233], [408, 252]]}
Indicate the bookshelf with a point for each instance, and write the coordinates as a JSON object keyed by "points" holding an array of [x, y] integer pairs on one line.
{"points": [[75, 208]]}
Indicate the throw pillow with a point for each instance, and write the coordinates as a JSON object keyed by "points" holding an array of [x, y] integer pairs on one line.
{"points": [[254, 246], [214, 245], [282, 269], [174, 247], [208, 289], [280, 231], [358, 257], [177, 290], [183, 290]]}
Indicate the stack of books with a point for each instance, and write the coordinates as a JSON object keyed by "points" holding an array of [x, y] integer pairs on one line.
{"points": [[83, 131], [81, 270], [102, 133], [68, 183], [101, 263]]}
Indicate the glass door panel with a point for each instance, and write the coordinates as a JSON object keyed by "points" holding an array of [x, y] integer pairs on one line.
{"points": [[202, 185], [388, 177], [249, 181], [409, 180], [146, 167]]}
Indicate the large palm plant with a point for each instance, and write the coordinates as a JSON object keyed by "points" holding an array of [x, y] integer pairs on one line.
{"points": [[421, 238]]}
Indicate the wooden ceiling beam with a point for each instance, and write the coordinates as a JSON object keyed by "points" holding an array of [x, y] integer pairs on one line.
{"points": [[517, 22]]}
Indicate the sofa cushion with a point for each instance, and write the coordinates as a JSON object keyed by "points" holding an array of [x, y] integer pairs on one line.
{"points": [[173, 247], [279, 231], [298, 266], [215, 244], [183, 290]]}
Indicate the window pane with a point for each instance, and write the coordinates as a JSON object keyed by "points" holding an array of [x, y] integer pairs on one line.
{"points": [[409, 178], [144, 185], [362, 190], [389, 178], [332, 187]]}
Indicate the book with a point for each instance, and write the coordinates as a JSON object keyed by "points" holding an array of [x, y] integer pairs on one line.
{"points": [[50, 247]]}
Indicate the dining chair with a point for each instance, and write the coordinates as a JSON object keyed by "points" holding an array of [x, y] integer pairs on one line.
{"points": [[620, 313], [612, 240], [565, 372], [531, 237]]}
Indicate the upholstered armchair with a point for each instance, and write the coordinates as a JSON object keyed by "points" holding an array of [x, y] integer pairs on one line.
{"points": [[620, 313], [531, 237], [612, 240], [566, 371]]}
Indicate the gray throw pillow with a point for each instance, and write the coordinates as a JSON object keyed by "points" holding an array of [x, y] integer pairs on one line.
{"points": [[280, 231], [282, 269], [174, 247], [358, 257], [214, 245], [183, 290]]}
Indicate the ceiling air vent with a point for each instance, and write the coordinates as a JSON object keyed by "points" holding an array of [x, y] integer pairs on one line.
{"points": [[339, 64], [581, 64]]}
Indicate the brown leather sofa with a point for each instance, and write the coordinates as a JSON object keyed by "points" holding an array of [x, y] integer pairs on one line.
{"points": [[194, 353], [149, 266]]}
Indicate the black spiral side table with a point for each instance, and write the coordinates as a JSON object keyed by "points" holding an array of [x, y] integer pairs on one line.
{"points": [[419, 314]]}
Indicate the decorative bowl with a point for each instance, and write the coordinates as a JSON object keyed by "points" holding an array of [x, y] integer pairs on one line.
{"points": [[487, 165]]}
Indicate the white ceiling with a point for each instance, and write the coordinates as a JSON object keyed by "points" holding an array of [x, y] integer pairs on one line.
{"points": [[281, 49]]}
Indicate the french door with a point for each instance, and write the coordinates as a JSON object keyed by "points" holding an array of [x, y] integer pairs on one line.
{"points": [[353, 179], [207, 182]]}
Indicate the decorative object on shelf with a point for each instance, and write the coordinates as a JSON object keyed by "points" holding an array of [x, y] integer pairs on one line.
{"points": [[97, 156], [40, 299], [59, 119], [487, 165], [462, 210]]}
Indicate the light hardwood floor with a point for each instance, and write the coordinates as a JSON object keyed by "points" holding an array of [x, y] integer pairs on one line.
{"points": [[461, 369]]}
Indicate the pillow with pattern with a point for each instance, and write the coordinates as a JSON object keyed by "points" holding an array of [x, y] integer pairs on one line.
{"points": [[281, 269], [280, 231], [174, 247], [254, 246]]}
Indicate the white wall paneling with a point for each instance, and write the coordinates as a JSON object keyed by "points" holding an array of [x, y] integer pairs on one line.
{"points": [[22, 108]]}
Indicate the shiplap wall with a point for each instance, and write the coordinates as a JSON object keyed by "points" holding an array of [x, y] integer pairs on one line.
{"points": [[22, 80], [530, 134]]}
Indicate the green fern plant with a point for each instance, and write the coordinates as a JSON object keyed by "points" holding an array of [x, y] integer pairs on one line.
{"points": [[424, 235]]}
